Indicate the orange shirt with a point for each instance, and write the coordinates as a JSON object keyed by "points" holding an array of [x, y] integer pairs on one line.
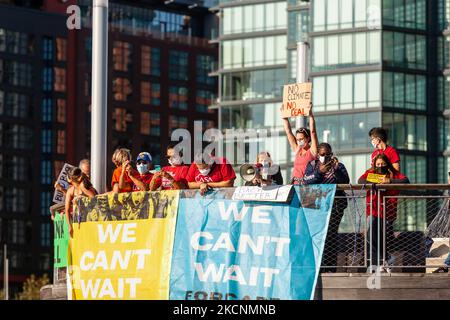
{"points": [[116, 177]]}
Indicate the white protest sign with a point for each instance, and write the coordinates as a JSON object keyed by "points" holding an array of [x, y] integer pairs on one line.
{"points": [[58, 196], [269, 193]]}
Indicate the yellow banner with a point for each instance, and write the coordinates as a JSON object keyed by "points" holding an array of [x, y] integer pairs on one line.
{"points": [[375, 178], [127, 256]]}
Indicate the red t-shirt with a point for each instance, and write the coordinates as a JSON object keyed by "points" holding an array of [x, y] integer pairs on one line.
{"points": [[116, 177], [218, 173], [178, 173], [146, 178], [390, 152]]}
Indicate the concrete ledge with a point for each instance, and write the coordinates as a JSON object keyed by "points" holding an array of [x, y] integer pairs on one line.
{"points": [[54, 292]]}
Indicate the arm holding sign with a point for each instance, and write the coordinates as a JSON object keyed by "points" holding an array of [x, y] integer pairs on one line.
{"points": [[289, 134], [68, 206], [312, 128]]}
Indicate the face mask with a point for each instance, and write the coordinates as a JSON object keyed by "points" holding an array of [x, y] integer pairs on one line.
{"points": [[375, 143], [174, 161], [204, 171], [322, 159], [301, 143], [381, 170], [142, 168]]}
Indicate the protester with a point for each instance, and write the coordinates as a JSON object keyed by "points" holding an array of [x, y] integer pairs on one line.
{"points": [[264, 159], [173, 176], [80, 187], [85, 166], [120, 159], [378, 138], [304, 143], [382, 167], [326, 169], [217, 173], [142, 178]]}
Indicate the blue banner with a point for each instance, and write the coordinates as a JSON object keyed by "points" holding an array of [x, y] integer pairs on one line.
{"points": [[234, 250]]}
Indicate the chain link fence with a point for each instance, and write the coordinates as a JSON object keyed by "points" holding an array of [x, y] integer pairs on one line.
{"points": [[395, 227]]}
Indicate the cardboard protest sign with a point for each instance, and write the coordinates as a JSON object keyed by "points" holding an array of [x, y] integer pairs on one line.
{"points": [[375, 178], [58, 196], [296, 100]]}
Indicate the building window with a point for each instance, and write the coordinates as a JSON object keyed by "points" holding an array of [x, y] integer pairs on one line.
{"points": [[122, 119], [150, 123], [150, 61], [14, 104], [47, 83], [334, 52], [15, 168], [60, 79], [46, 172], [46, 141], [45, 235], [47, 110], [122, 89], [404, 91], [178, 65], [347, 91], [15, 73], [16, 231], [254, 52], [61, 142], [16, 136], [405, 13], [204, 99], [178, 97], [61, 49], [205, 64], [254, 18], [15, 200], [261, 84], [404, 50], [47, 49], [122, 56], [150, 93], [177, 122], [15, 42], [406, 131], [347, 131], [61, 110], [46, 202], [298, 26]]}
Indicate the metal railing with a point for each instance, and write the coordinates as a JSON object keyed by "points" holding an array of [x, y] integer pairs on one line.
{"points": [[386, 226]]}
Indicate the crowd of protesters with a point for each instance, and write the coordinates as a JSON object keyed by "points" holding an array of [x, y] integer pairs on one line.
{"points": [[314, 163]]}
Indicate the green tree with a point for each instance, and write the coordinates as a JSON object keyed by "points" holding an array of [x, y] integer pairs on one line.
{"points": [[32, 286]]}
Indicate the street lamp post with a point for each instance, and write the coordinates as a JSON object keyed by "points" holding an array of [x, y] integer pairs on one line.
{"points": [[99, 94]]}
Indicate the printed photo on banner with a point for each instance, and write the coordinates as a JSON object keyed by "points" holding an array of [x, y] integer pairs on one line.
{"points": [[127, 206]]}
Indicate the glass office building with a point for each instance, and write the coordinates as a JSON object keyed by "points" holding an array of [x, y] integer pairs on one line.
{"points": [[372, 63]]}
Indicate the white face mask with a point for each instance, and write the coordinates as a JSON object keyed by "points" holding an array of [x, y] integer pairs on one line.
{"points": [[301, 143], [142, 168], [375, 143], [322, 159], [175, 161], [204, 172]]}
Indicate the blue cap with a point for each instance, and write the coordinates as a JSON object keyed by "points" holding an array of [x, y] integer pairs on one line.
{"points": [[144, 156]]}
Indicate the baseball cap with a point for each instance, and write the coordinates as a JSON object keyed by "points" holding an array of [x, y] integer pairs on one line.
{"points": [[144, 156]]}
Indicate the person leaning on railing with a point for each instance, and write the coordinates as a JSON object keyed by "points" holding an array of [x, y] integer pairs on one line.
{"points": [[206, 176], [326, 169], [173, 176], [262, 159], [80, 187], [385, 171]]}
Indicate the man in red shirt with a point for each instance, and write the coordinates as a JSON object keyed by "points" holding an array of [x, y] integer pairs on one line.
{"points": [[142, 178], [204, 176], [378, 138], [173, 176]]}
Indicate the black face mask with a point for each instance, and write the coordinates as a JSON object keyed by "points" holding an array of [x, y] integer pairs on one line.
{"points": [[381, 170]]}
